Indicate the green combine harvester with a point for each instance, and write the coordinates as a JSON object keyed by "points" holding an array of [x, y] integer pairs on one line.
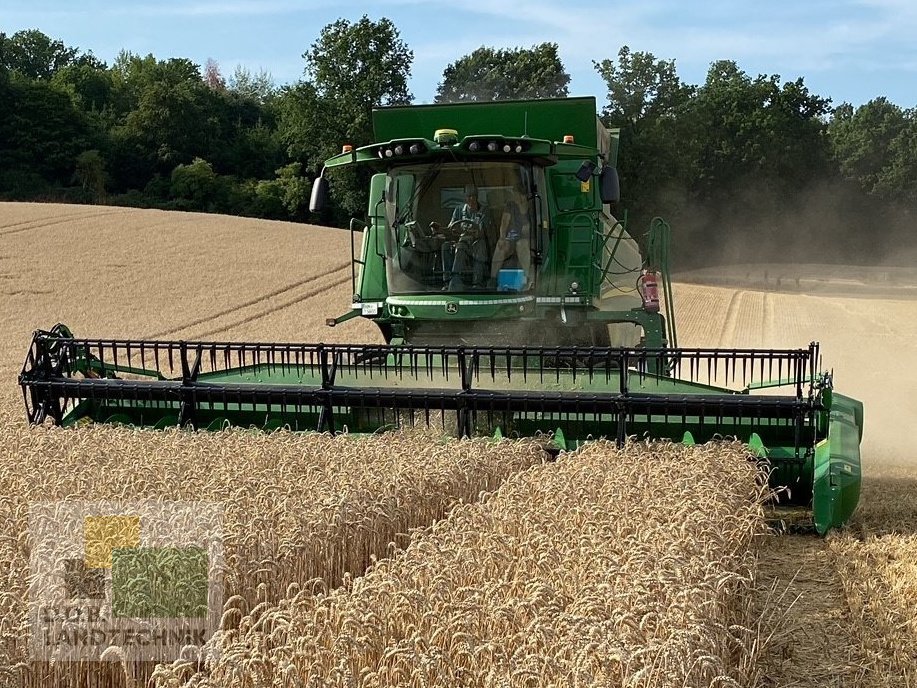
{"points": [[513, 302]]}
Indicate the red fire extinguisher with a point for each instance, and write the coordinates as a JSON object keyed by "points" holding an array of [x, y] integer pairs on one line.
{"points": [[649, 290]]}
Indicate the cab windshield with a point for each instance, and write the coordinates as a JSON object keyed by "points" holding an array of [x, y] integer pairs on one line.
{"points": [[461, 227]]}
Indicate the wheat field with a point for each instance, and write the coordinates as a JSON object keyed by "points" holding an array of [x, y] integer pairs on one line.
{"points": [[536, 585], [808, 612]]}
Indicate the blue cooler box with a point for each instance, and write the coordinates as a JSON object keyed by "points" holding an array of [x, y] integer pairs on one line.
{"points": [[511, 280]]}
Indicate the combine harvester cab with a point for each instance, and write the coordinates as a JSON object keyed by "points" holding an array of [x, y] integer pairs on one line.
{"points": [[512, 303]]}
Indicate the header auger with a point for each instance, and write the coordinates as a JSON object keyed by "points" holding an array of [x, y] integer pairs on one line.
{"points": [[512, 303]]}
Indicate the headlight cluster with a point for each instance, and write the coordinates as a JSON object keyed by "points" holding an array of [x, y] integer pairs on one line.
{"points": [[497, 145], [401, 149]]}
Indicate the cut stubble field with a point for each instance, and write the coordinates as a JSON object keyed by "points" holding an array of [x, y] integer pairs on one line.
{"points": [[833, 612], [851, 621]]}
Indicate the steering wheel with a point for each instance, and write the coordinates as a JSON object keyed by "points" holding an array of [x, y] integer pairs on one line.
{"points": [[466, 225]]}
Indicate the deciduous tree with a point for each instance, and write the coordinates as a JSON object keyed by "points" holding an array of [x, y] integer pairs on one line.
{"points": [[489, 74], [35, 55], [864, 141], [41, 131], [90, 87], [212, 76], [90, 174], [648, 102], [258, 87], [350, 69], [757, 131]]}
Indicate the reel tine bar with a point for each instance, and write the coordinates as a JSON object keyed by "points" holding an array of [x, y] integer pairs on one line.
{"points": [[612, 388]]}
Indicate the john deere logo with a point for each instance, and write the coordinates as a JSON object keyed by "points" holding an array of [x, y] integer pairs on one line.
{"points": [[452, 307]]}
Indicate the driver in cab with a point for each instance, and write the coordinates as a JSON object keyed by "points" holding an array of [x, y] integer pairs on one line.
{"points": [[464, 247]]}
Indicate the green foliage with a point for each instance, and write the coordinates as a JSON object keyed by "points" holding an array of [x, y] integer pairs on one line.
{"points": [[284, 197], [20, 185], [259, 88], [90, 174], [78, 129], [197, 186], [735, 152], [363, 64], [34, 55], [899, 179], [41, 131], [4, 54], [738, 156], [195, 183], [757, 130], [642, 88], [267, 199], [158, 187], [302, 123], [172, 114], [489, 74], [295, 189], [350, 69], [874, 146], [648, 101], [312, 131], [91, 88], [250, 148]]}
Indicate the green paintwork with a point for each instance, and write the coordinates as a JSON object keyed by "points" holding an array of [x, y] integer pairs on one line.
{"points": [[584, 249], [757, 446], [544, 119], [371, 281], [553, 381], [769, 384], [837, 476], [461, 307]]}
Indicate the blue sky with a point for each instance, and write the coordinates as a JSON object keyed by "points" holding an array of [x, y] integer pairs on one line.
{"points": [[849, 50]]}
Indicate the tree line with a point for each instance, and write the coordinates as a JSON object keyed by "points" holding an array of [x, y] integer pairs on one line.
{"points": [[741, 165]]}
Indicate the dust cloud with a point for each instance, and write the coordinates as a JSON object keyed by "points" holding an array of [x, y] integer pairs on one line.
{"points": [[827, 222], [867, 330], [762, 268]]}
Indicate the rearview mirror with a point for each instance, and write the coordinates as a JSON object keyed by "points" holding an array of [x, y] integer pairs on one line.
{"points": [[609, 185], [319, 196]]}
